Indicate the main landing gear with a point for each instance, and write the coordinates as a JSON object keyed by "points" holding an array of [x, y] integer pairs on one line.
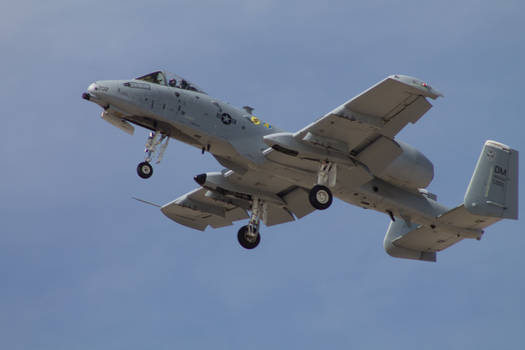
{"points": [[320, 195], [320, 198], [144, 169], [249, 235]]}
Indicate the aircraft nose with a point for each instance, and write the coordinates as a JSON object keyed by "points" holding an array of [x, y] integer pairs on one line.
{"points": [[87, 95], [92, 88], [98, 90], [91, 92], [99, 87]]}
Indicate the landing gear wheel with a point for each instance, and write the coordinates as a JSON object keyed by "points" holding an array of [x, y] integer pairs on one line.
{"points": [[245, 240], [320, 197], [145, 170]]}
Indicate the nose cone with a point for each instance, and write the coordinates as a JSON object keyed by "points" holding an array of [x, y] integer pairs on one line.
{"points": [[98, 92], [90, 92], [99, 88], [92, 88]]}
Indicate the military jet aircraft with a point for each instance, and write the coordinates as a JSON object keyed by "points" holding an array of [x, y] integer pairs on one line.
{"points": [[275, 176]]}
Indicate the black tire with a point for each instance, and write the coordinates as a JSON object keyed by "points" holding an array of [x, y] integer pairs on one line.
{"points": [[320, 197], [244, 242], [144, 170]]}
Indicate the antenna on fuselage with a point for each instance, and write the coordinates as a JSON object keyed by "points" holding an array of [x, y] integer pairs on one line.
{"points": [[248, 109]]}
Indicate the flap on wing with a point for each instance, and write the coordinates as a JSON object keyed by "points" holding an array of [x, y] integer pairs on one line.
{"points": [[387, 98], [297, 201], [275, 215], [192, 222], [384, 109], [409, 111], [197, 211]]}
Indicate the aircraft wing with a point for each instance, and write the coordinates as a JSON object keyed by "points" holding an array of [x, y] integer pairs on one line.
{"points": [[376, 115], [226, 198], [196, 210]]}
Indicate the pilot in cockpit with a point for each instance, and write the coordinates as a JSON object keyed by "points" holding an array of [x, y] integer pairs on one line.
{"points": [[169, 79]]}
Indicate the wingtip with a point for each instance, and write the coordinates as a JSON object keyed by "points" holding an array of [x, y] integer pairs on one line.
{"points": [[419, 84]]}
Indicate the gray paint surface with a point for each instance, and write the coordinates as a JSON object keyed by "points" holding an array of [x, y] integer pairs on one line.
{"points": [[84, 266], [267, 164]]}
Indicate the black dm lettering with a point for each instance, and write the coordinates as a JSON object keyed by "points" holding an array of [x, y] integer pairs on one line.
{"points": [[499, 170]]}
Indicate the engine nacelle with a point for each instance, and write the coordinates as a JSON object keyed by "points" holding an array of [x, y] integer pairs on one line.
{"points": [[411, 169]]}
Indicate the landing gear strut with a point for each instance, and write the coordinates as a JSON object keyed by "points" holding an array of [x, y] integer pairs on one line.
{"points": [[320, 195], [144, 169], [248, 235]]}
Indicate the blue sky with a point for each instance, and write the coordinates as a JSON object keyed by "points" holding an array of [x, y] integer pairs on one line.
{"points": [[83, 266]]}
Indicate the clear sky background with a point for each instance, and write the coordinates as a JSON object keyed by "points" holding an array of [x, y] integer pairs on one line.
{"points": [[83, 266]]}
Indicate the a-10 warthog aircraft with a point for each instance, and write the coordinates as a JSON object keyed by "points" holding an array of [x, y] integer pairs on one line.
{"points": [[276, 176]]}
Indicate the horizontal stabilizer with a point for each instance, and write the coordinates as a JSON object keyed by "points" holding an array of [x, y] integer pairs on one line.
{"points": [[396, 231], [417, 241], [492, 195]]}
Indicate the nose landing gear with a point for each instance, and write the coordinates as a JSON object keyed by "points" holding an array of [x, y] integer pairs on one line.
{"points": [[144, 169]]}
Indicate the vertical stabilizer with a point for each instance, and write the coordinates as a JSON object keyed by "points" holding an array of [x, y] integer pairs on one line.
{"points": [[493, 189]]}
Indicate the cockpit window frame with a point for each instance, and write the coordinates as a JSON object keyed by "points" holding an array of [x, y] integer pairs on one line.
{"points": [[168, 79], [153, 78]]}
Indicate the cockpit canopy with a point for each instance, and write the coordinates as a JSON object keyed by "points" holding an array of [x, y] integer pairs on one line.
{"points": [[169, 79]]}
